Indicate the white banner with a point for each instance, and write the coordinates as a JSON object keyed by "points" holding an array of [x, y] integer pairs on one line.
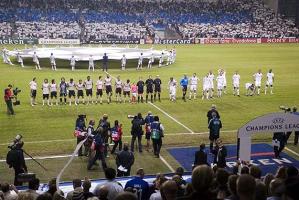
{"points": [[58, 41], [270, 123]]}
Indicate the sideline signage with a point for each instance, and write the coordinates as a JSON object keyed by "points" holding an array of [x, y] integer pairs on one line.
{"points": [[58, 41], [6, 41], [270, 123]]}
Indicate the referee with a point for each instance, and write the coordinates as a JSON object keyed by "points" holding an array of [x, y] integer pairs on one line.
{"points": [[184, 84]]}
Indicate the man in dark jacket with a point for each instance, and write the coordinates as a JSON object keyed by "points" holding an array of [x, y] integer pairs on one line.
{"points": [[124, 161], [220, 154], [201, 157], [15, 159], [279, 140], [105, 62], [105, 125], [214, 125], [209, 114], [137, 132]]}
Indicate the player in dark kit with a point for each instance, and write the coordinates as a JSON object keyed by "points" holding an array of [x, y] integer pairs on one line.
{"points": [[140, 86], [214, 125], [149, 88], [157, 83]]}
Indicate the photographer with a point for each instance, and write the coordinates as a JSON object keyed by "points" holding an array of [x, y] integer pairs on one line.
{"points": [[8, 96], [15, 159], [136, 131], [79, 129], [105, 125]]}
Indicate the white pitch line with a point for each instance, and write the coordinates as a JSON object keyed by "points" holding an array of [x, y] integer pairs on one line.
{"points": [[44, 157], [290, 150], [126, 136], [172, 118], [167, 164]]}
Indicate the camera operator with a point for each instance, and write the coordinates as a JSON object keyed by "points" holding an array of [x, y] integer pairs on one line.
{"points": [[136, 131], [79, 129], [105, 125], [15, 159], [8, 96]]}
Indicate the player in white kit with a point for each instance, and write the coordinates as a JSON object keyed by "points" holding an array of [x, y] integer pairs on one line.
{"points": [[91, 63], [258, 80], [71, 86], [73, 63], [80, 91], [223, 72], [140, 60], [169, 58], [270, 81], [161, 59], [127, 91], [53, 92], [108, 88], [36, 61], [250, 89], [193, 86], [52, 61], [236, 84], [123, 62], [20, 59], [88, 89], [206, 87], [220, 84], [211, 79], [100, 86], [46, 92], [33, 88], [172, 84], [151, 60], [118, 89]]}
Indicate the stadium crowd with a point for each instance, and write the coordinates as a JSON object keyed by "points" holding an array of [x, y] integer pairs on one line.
{"points": [[133, 19], [206, 183]]}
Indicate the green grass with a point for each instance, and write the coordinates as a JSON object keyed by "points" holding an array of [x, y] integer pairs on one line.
{"points": [[57, 123]]}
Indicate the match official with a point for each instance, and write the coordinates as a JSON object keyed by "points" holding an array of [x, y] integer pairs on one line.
{"points": [[184, 85]]}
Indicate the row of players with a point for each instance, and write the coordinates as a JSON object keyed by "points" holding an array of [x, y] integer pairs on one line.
{"points": [[153, 88], [170, 59]]}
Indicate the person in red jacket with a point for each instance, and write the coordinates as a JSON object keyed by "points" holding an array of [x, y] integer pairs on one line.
{"points": [[116, 135], [8, 95]]}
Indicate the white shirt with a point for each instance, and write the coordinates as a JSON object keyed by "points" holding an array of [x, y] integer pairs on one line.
{"points": [[107, 81], [211, 78], [33, 85], [80, 86], [258, 77], [118, 84], [52, 59], [270, 77], [220, 80], [100, 84], [140, 59], [127, 87], [71, 85], [46, 88], [236, 78], [19, 57], [193, 80], [123, 60], [53, 87], [156, 196], [88, 84], [91, 61], [172, 83], [35, 58], [206, 81], [73, 61]]}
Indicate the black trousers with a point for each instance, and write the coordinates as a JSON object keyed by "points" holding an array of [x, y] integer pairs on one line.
{"points": [[105, 67], [17, 172], [117, 143], [296, 137], [277, 150], [10, 110], [98, 156], [139, 137], [157, 144]]}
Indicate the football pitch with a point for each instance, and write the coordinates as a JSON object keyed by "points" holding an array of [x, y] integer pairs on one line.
{"points": [[48, 131]]}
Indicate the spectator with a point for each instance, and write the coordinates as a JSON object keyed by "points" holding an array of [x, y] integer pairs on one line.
{"points": [[276, 189], [86, 187], [52, 188], [292, 171], [10, 192], [246, 187], [113, 187], [281, 172], [126, 196], [221, 181], [139, 184], [255, 172], [232, 187], [158, 184], [169, 190], [267, 179], [202, 177], [45, 196], [33, 187], [124, 161], [77, 193], [180, 172]]}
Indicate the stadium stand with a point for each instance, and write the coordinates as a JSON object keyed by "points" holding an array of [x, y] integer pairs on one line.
{"points": [[121, 19]]}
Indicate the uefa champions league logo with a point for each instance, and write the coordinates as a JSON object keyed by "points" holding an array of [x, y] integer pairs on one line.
{"points": [[278, 120]]}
